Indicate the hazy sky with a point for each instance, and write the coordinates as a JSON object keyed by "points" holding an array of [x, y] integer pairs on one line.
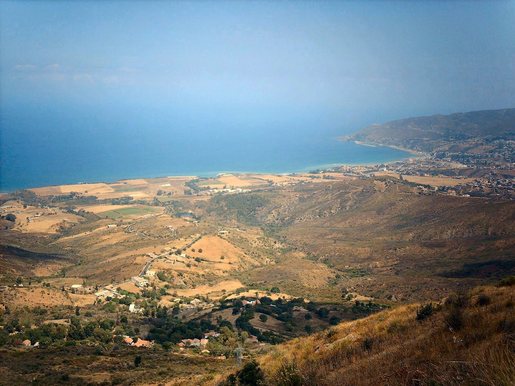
{"points": [[344, 63]]}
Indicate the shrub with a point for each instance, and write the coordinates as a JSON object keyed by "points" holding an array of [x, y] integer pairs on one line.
{"points": [[483, 300], [263, 318], [251, 375], [425, 312], [288, 375], [334, 320], [137, 360], [367, 344], [457, 300], [10, 217], [323, 312], [507, 281], [454, 318]]}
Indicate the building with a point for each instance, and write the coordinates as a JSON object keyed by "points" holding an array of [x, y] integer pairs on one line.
{"points": [[128, 340], [134, 309], [140, 282], [143, 343]]}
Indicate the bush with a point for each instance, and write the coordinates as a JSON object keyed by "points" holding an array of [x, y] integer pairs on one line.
{"points": [[137, 360], [425, 312], [367, 344], [323, 312], [288, 375], [457, 300], [507, 282], [251, 375], [483, 300], [454, 318], [10, 217], [334, 320], [263, 318]]}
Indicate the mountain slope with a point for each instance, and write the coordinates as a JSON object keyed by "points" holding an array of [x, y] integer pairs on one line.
{"points": [[465, 340], [439, 132]]}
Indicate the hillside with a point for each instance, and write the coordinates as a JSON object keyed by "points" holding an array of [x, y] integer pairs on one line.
{"points": [[200, 269], [380, 238], [470, 131], [463, 340]]}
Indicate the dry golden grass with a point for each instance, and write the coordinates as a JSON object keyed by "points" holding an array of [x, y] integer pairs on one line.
{"points": [[213, 248], [31, 219], [393, 348], [213, 291], [82, 300], [34, 297]]}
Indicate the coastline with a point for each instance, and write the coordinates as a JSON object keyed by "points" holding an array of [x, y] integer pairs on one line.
{"points": [[416, 153], [211, 174]]}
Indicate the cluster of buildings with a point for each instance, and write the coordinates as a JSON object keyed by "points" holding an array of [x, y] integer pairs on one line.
{"points": [[138, 342], [198, 343]]}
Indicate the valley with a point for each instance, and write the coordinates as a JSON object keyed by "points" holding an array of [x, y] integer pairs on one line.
{"points": [[219, 271]]}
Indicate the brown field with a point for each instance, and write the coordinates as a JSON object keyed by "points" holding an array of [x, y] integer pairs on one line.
{"points": [[129, 286], [82, 300], [214, 291], [33, 297], [32, 219], [214, 247], [98, 189], [102, 208]]}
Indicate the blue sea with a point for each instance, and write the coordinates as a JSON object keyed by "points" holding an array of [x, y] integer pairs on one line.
{"points": [[43, 145]]}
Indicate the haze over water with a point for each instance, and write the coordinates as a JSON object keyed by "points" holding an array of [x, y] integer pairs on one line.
{"points": [[95, 91]]}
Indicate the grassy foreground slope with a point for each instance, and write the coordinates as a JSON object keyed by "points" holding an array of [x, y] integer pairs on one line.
{"points": [[465, 340]]}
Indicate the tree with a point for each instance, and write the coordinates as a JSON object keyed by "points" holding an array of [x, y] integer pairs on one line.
{"points": [[323, 312], [77, 311], [251, 375], [334, 320], [137, 360], [19, 280], [263, 318], [10, 217]]}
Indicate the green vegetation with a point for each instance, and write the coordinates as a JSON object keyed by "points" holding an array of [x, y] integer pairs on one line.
{"points": [[244, 207]]}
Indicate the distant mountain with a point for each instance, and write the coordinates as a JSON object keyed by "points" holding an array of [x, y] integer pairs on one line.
{"points": [[440, 132]]}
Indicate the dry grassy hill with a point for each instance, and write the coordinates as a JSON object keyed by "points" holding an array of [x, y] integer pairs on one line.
{"points": [[380, 238], [462, 340]]}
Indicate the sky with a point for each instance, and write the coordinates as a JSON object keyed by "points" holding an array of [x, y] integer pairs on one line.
{"points": [[351, 63]]}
